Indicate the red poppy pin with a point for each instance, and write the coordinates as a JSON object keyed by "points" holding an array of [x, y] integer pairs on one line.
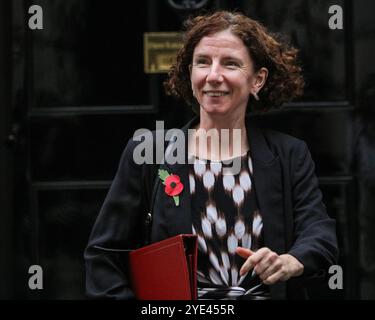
{"points": [[173, 185]]}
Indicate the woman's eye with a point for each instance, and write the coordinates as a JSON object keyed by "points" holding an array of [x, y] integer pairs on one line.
{"points": [[232, 64], [201, 62]]}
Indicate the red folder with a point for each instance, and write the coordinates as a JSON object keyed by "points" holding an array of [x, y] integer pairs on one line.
{"points": [[165, 270]]}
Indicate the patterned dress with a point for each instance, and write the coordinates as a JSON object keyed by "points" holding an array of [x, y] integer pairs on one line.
{"points": [[225, 216]]}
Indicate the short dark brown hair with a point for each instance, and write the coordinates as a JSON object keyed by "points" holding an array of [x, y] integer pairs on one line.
{"points": [[266, 49]]}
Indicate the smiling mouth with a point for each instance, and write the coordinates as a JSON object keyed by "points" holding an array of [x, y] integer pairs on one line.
{"points": [[216, 93]]}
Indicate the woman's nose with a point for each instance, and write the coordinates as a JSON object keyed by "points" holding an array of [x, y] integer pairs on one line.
{"points": [[214, 74]]}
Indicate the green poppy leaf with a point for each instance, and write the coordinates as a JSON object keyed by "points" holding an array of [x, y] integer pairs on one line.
{"points": [[163, 174], [176, 200]]}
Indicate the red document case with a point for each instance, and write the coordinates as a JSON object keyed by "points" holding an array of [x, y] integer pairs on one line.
{"points": [[165, 270]]}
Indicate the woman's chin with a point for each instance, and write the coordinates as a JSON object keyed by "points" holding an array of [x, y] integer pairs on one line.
{"points": [[215, 110]]}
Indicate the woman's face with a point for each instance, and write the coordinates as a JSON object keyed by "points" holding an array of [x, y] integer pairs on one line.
{"points": [[222, 74]]}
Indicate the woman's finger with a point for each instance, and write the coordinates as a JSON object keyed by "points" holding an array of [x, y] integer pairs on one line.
{"points": [[277, 276], [246, 267], [267, 260], [273, 268], [254, 259], [243, 252]]}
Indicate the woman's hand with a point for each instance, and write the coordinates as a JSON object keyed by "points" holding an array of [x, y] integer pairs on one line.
{"points": [[270, 266]]}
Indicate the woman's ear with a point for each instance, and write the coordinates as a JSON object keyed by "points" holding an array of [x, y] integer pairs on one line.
{"points": [[260, 78]]}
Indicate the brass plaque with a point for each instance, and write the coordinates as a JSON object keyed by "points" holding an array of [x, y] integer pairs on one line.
{"points": [[160, 49]]}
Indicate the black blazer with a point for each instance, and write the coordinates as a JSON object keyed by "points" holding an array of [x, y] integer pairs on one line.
{"points": [[294, 217]]}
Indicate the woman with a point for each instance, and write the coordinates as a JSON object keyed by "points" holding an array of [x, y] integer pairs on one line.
{"points": [[263, 231]]}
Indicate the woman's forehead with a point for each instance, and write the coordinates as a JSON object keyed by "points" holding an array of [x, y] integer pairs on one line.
{"points": [[223, 41]]}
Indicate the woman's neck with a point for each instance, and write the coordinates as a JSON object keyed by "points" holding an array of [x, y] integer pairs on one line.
{"points": [[225, 137]]}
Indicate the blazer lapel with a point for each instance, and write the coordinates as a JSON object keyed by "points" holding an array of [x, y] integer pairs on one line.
{"points": [[267, 177], [268, 184], [179, 217]]}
